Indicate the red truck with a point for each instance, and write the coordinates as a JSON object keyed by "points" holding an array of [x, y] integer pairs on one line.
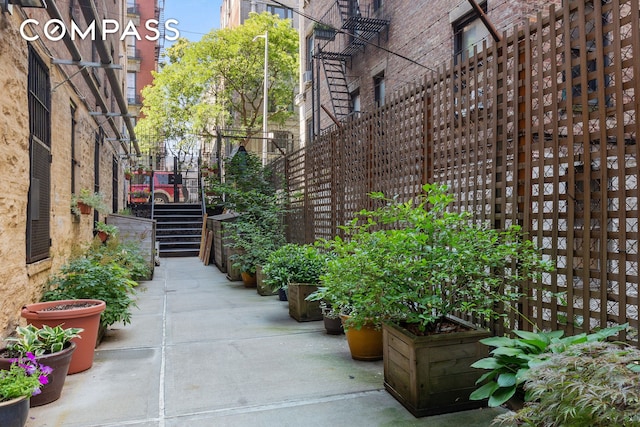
{"points": [[164, 183]]}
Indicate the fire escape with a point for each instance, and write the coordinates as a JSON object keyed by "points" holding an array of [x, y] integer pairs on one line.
{"points": [[347, 32]]}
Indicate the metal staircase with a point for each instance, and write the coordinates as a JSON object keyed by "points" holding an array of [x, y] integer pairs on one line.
{"points": [[178, 229], [355, 32]]}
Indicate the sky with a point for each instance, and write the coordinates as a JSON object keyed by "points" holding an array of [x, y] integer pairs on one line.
{"points": [[195, 17]]}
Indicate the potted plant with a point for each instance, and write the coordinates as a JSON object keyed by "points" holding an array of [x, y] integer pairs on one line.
{"points": [[23, 379], [51, 346], [409, 266], [298, 269], [139, 196], [82, 202], [512, 358], [590, 384], [324, 31], [98, 282], [104, 230], [128, 174]]}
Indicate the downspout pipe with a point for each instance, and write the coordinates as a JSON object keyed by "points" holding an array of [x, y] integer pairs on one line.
{"points": [[90, 13]]}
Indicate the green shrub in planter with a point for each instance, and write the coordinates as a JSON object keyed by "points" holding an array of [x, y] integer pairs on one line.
{"points": [[84, 277], [595, 384], [294, 263], [124, 254], [417, 262]]}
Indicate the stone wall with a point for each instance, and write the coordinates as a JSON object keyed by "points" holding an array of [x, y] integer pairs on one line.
{"points": [[22, 283]]}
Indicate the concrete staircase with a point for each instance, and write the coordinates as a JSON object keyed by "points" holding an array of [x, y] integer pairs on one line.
{"points": [[178, 229]]}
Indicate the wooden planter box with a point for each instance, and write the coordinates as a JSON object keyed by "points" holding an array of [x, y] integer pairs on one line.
{"points": [[299, 308], [432, 374], [262, 289]]}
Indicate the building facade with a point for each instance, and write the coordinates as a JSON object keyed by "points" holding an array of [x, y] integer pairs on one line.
{"points": [[64, 128], [354, 53]]}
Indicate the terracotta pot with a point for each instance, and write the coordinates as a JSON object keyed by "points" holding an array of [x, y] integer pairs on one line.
{"points": [[364, 343], [84, 208], [14, 412], [103, 236], [59, 362], [87, 318], [248, 279]]}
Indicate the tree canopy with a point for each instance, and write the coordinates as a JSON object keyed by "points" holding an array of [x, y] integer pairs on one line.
{"points": [[219, 80]]}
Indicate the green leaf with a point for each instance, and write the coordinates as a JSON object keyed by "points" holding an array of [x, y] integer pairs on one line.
{"points": [[498, 341], [487, 363], [501, 395], [506, 379], [484, 391], [507, 351]]}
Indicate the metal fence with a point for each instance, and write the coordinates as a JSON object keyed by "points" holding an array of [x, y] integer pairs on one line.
{"points": [[539, 129]]}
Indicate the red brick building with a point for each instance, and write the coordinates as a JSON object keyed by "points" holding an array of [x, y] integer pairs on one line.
{"points": [[376, 47]]}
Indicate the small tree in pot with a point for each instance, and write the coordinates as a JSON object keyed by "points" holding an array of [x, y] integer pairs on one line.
{"points": [[411, 266]]}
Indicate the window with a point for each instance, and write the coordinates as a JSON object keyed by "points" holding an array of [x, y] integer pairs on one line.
{"points": [[282, 140], [378, 89], [355, 101], [282, 12], [132, 93], [377, 4], [309, 53], [131, 47], [39, 200], [468, 32]]}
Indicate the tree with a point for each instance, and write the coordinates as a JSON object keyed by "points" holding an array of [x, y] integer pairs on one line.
{"points": [[219, 78]]}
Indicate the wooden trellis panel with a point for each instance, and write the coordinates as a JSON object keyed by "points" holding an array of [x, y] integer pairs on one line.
{"points": [[539, 130]]}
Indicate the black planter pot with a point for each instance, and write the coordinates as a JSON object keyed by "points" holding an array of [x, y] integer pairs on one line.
{"points": [[14, 413], [282, 295], [333, 325], [59, 362]]}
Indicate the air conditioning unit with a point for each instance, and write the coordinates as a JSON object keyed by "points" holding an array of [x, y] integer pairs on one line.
{"points": [[307, 78]]}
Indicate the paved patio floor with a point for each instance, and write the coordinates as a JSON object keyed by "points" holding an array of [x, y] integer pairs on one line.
{"points": [[203, 351]]}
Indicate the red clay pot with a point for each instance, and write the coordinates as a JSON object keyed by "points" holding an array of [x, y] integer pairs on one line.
{"points": [[248, 279], [87, 318]]}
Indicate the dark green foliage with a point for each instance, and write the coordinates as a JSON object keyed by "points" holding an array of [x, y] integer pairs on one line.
{"points": [[594, 384], [125, 254], [294, 264], [249, 191], [512, 358], [418, 262], [95, 277]]}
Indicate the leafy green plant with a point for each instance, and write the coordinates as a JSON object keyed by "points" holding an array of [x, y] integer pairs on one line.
{"points": [[24, 378], [512, 358], [94, 200], [125, 254], [84, 277], [294, 263], [415, 262], [594, 384], [39, 341], [111, 230]]}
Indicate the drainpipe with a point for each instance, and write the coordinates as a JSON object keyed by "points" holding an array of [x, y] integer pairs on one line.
{"points": [[54, 13], [90, 13]]}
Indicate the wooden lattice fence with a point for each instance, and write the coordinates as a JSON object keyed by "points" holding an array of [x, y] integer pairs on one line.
{"points": [[539, 129]]}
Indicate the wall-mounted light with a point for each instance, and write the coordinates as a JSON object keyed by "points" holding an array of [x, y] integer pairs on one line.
{"points": [[7, 5]]}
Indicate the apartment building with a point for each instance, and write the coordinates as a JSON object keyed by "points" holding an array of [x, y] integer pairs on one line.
{"points": [[354, 53]]}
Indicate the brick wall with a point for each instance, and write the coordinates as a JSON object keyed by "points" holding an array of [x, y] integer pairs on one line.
{"points": [[421, 31]]}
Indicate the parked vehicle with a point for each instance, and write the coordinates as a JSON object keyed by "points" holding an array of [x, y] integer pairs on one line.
{"points": [[165, 184]]}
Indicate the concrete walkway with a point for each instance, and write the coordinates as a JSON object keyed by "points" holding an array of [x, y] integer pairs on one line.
{"points": [[203, 351]]}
